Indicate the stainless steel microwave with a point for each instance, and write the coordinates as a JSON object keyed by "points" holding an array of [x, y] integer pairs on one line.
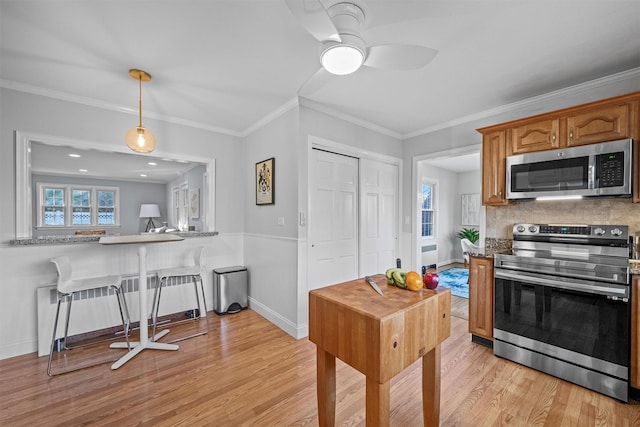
{"points": [[603, 169]]}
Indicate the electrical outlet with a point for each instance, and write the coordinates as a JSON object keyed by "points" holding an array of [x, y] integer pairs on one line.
{"points": [[280, 220]]}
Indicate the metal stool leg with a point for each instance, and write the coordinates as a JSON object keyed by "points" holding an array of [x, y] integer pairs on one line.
{"points": [[125, 323], [155, 308], [53, 338]]}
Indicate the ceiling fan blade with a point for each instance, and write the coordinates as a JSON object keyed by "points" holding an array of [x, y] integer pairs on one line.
{"points": [[312, 15], [399, 56], [315, 82]]}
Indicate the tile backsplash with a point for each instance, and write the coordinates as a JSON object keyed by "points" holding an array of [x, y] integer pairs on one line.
{"points": [[500, 219]]}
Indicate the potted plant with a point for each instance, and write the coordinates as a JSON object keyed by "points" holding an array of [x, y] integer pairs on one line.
{"points": [[469, 233]]}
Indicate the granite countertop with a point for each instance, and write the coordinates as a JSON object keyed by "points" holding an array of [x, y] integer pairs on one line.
{"points": [[58, 240]]}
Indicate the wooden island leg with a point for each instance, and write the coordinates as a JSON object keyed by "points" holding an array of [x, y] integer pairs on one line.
{"points": [[326, 377], [377, 404], [431, 387]]}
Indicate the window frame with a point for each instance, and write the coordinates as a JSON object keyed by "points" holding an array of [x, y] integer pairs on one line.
{"points": [[180, 206], [433, 210], [68, 206]]}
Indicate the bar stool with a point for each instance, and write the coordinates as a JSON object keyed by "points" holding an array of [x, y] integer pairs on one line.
{"points": [[192, 271], [67, 287]]}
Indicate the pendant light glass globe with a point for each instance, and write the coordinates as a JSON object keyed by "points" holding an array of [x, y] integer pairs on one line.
{"points": [[140, 139]]}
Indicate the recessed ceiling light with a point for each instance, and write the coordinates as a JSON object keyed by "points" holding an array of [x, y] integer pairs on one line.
{"points": [[74, 155], [143, 174], [152, 164], [82, 170]]}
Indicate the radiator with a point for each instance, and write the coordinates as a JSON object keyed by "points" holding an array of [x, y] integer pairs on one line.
{"points": [[429, 255]]}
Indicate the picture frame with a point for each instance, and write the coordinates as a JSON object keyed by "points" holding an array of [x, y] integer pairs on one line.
{"points": [[265, 182], [471, 209], [194, 203]]}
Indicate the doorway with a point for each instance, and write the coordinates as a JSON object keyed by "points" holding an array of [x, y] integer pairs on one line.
{"points": [[458, 171]]}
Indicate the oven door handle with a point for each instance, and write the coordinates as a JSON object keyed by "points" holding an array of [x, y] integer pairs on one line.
{"points": [[615, 292]]}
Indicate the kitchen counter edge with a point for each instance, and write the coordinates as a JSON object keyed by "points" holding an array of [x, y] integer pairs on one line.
{"points": [[61, 240]]}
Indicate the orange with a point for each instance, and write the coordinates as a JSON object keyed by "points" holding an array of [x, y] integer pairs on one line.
{"points": [[414, 281]]}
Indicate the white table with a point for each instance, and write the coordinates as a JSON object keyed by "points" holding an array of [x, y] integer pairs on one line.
{"points": [[144, 343]]}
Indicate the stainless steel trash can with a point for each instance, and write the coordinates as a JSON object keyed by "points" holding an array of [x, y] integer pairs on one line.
{"points": [[230, 288]]}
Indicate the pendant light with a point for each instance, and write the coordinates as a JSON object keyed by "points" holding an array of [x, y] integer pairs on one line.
{"points": [[139, 138]]}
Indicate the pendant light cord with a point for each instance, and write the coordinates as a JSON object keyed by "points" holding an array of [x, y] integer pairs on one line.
{"points": [[140, 99]]}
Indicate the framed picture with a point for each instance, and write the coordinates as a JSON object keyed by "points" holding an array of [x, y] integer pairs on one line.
{"points": [[194, 203], [471, 209], [265, 182]]}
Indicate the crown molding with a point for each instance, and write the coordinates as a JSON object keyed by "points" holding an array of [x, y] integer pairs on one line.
{"points": [[292, 103], [570, 90], [297, 101], [62, 96], [348, 118]]}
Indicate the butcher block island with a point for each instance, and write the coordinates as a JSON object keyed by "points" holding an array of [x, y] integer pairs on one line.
{"points": [[379, 335]]}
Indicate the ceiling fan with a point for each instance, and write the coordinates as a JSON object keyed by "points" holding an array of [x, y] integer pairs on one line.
{"points": [[343, 49]]}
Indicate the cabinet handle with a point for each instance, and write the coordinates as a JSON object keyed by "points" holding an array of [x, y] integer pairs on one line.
{"points": [[553, 136], [571, 134]]}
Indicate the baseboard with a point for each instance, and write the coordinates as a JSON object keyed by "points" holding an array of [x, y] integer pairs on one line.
{"points": [[296, 331]]}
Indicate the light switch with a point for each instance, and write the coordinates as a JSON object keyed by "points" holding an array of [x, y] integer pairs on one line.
{"points": [[280, 220]]}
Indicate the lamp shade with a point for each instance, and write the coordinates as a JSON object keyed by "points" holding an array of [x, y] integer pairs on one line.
{"points": [[149, 211]]}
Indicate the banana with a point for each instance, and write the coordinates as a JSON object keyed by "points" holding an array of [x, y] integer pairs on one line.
{"points": [[389, 274], [399, 277]]}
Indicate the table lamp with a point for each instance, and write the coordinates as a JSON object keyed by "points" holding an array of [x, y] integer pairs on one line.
{"points": [[149, 211]]}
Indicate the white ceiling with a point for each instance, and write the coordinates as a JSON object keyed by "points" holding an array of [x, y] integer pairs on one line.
{"points": [[227, 65], [47, 159]]}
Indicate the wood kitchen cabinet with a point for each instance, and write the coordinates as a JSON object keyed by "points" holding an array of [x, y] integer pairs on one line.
{"points": [[537, 136], [494, 157], [635, 330], [600, 121], [598, 124], [481, 299]]}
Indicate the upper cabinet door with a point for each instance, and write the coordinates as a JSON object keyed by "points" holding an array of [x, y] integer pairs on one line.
{"points": [[538, 136], [599, 124], [494, 169]]}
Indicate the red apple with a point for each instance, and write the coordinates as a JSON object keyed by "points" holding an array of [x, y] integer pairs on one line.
{"points": [[431, 280]]}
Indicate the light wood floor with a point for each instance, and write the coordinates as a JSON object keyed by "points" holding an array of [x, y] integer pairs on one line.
{"points": [[246, 371]]}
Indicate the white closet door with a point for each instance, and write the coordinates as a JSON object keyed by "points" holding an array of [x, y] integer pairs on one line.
{"points": [[333, 219], [379, 216]]}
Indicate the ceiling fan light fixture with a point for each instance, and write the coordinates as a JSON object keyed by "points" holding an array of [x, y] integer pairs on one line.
{"points": [[344, 57], [138, 138]]}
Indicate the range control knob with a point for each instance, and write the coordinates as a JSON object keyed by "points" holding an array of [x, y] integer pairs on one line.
{"points": [[533, 228], [599, 231], [520, 228], [616, 232]]}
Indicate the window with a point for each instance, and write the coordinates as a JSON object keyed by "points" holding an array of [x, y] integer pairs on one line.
{"points": [[180, 206], [428, 229], [73, 206]]}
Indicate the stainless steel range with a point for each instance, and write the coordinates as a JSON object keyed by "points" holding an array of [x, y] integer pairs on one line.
{"points": [[562, 304]]}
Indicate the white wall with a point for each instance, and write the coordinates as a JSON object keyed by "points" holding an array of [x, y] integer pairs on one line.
{"points": [[276, 255], [24, 269], [270, 249]]}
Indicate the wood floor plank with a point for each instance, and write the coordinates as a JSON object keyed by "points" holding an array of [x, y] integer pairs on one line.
{"points": [[248, 372]]}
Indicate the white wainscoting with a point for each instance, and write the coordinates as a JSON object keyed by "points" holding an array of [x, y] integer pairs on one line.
{"points": [[273, 285], [26, 269]]}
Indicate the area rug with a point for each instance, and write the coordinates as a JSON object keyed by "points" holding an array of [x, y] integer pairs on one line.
{"points": [[456, 279]]}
